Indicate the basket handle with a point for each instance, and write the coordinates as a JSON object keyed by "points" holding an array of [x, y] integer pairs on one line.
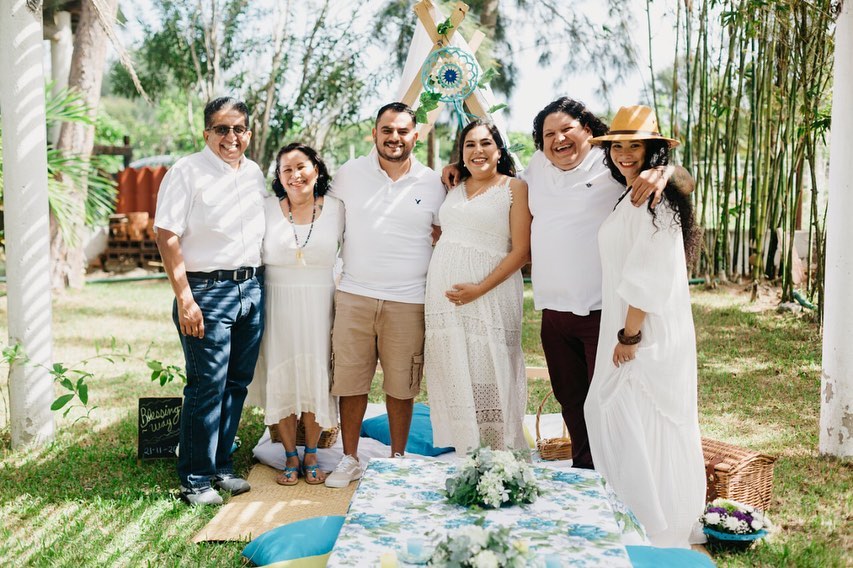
{"points": [[539, 415], [711, 478]]}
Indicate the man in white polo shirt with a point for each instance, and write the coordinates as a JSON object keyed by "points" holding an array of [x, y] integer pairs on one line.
{"points": [[210, 227], [392, 204]]}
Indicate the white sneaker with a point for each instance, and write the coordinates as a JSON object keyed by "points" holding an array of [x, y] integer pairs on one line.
{"points": [[347, 470]]}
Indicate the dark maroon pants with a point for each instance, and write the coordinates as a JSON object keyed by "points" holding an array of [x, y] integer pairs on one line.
{"points": [[570, 343]]}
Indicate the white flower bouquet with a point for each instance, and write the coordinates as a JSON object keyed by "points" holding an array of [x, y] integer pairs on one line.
{"points": [[476, 547], [732, 525], [493, 478]]}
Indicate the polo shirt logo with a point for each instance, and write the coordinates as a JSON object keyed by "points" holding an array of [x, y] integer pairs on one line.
{"points": [[418, 201], [589, 184]]}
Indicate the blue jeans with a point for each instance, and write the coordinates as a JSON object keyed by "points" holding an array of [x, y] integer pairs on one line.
{"points": [[220, 367]]}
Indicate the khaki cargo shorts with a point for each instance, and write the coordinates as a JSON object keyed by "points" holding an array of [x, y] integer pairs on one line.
{"points": [[367, 329]]}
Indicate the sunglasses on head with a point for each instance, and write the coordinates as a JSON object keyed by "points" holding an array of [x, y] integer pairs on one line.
{"points": [[222, 130]]}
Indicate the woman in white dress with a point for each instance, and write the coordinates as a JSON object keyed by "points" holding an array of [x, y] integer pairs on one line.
{"points": [[474, 366], [641, 411], [303, 235]]}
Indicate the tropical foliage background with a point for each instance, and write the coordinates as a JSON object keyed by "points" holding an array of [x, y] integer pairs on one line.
{"points": [[746, 87]]}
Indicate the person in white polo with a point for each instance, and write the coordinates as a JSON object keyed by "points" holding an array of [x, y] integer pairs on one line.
{"points": [[391, 203], [210, 227]]}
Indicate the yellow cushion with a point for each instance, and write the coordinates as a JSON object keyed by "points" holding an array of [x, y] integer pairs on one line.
{"points": [[318, 561]]}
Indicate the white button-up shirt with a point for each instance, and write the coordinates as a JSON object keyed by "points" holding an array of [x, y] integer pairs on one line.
{"points": [[388, 230], [216, 211], [568, 207]]}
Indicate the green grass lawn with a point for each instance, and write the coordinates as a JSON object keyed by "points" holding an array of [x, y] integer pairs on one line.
{"points": [[83, 500]]}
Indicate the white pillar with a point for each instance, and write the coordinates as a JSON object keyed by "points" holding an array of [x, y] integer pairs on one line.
{"points": [[61, 49], [26, 221], [836, 394]]}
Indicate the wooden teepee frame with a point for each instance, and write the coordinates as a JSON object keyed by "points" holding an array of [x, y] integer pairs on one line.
{"points": [[423, 10]]}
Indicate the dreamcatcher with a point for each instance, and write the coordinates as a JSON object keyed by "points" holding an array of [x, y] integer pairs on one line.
{"points": [[451, 74]]}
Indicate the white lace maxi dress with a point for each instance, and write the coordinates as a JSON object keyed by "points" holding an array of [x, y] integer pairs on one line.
{"points": [[642, 416], [292, 374], [474, 366]]}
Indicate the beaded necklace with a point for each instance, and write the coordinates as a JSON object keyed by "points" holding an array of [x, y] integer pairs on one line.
{"points": [[300, 256]]}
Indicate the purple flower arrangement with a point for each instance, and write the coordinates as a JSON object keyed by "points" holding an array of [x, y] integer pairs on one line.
{"points": [[731, 517]]}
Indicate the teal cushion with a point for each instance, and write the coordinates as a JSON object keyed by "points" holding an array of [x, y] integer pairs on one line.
{"points": [[651, 557], [420, 433], [308, 537]]}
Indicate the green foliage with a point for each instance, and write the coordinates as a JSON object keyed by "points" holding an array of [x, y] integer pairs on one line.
{"points": [[428, 102], [306, 83], [170, 127], [521, 144], [444, 27], [396, 19], [165, 373], [67, 172], [74, 379], [488, 76]]}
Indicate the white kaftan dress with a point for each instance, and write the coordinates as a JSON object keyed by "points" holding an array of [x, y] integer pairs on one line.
{"points": [[642, 416], [474, 366], [292, 374]]}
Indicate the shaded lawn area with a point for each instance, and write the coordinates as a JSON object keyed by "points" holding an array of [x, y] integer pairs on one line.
{"points": [[83, 500]]}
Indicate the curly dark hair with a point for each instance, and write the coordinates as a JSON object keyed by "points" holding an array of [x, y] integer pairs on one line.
{"points": [[574, 109], [657, 154], [505, 163], [323, 177]]}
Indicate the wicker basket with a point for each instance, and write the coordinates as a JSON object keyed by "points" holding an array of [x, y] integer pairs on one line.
{"points": [[738, 474], [552, 448], [328, 437]]}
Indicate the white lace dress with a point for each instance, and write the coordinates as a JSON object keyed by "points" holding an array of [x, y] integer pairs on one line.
{"points": [[474, 366], [292, 373], [642, 417]]}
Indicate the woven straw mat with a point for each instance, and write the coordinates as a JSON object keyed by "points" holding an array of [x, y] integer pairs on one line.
{"points": [[269, 505]]}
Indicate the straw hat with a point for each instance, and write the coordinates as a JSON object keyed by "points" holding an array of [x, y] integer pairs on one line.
{"points": [[636, 122]]}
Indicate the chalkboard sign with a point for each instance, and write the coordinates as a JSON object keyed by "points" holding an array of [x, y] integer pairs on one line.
{"points": [[159, 427]]}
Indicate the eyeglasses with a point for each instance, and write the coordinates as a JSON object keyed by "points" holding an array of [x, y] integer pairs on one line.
{"points": [[222, 130]]}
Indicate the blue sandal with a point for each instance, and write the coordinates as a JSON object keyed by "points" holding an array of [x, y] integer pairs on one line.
{"points": [[290, 475], [310, 471]]}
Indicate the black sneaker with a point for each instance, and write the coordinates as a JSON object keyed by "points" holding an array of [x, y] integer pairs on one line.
{"points": [[233, 484], [203, 496]]}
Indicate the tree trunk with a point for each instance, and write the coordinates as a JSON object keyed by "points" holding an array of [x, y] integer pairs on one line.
{"points": [[61, 51], [87, 71], [836, 409], [489, 16], [26, 225]]}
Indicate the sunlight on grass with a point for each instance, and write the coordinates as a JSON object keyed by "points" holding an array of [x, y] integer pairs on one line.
{"points": [[83, 500]]}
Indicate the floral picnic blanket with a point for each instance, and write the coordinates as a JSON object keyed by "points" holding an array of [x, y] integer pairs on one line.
{"points": [[577, 518]]}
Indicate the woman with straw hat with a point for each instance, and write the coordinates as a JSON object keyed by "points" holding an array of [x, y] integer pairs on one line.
{"points": [[641, 410]]}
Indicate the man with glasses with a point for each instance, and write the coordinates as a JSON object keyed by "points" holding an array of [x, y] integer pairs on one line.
{"points": [[210, 227]]}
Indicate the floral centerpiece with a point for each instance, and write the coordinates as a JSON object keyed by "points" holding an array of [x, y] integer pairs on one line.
{"points": [[733, 525], [493, 478], [478, 547]]}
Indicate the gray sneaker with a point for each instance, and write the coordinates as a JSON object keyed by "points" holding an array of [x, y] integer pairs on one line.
{"points": [[204, 496], [233, 484], [347, 470]]}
